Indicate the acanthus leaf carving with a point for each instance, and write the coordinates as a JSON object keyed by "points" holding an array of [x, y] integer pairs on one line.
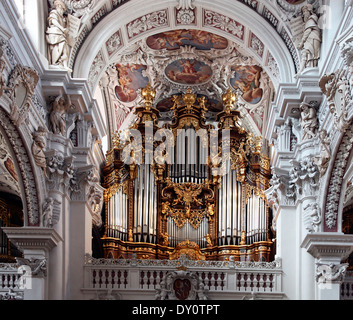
{"points": [[38, 266], [330, 272], [147, 22]]}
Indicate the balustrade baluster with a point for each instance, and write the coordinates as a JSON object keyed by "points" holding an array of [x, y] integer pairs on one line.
{"points": [[126, 282]]}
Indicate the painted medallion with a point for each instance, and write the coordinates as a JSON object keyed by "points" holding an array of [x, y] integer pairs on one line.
{"points": [[295, 1], [188, 72]]}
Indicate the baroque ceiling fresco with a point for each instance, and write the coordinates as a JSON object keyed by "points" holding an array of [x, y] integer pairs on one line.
{"points": [[186, 44], [174, 61]]}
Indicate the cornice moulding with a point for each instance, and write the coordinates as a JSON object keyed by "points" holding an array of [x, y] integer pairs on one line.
{"points": [[33, 238], [328, 245]]}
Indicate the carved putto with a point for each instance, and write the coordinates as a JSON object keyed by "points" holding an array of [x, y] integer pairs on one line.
{"points": [[309, 121], [58, 115]]}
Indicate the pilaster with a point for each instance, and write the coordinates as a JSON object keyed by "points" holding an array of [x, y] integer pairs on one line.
{"points": [[330, 251], [37, 244]]}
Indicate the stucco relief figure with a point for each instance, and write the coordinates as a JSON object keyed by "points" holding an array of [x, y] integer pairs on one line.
{"points": [[3, 85], [38, 147], [57, 36], [309, 121], [58, 115], [310, 43], [47, 215], [323, 160]]}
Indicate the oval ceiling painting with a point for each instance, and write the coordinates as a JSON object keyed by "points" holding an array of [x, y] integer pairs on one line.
{"points": [[173, 40], [295, 1], [188, 72]]}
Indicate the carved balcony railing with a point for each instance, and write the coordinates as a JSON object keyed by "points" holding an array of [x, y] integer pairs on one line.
{"points": [[9, 282], [347, 287], [131, 277]]}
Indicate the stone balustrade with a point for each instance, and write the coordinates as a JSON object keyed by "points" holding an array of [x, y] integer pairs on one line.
{"points": [[222, 279]]}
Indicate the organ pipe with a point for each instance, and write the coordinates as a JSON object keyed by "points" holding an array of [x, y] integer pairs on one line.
{"points": [[153, 206]]}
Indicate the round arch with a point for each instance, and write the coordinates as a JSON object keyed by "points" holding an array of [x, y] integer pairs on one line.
{"points": [[22, 165], [228, 15], [341, 172]]}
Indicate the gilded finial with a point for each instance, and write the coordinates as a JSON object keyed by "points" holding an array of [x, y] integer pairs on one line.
{"points": [[229, 99], [148, 94], [117, 140], [189, 98]]}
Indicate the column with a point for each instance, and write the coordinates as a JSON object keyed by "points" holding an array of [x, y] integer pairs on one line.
{"points": [[85, 207]]}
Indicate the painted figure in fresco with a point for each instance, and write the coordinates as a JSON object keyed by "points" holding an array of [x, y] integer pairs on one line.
{"points": [[130, 79], [188, 67], [186, 71], [57, 36], [248, 81], [172, 40]]}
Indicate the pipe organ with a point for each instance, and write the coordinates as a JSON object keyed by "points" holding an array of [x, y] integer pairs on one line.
{"points": [[187, 186]]}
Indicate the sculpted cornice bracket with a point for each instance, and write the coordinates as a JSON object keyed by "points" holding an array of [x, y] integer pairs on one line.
{"points": [[328, 246], [38, 267], [39, 240]]}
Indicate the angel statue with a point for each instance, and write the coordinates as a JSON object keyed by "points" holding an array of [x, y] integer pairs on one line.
{"points": [[58, 115], [309, 121]]}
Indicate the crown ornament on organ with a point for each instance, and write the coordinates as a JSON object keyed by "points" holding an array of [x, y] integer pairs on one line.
{"points": [[229, 100], [148, 94]]}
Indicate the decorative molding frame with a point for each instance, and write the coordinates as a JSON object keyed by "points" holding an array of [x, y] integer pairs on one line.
{"points": [[28, 184]]}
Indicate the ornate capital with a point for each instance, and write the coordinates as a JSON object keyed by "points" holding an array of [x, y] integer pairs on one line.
{"points": [[60, 170], [38, 266], [329, 273]]}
